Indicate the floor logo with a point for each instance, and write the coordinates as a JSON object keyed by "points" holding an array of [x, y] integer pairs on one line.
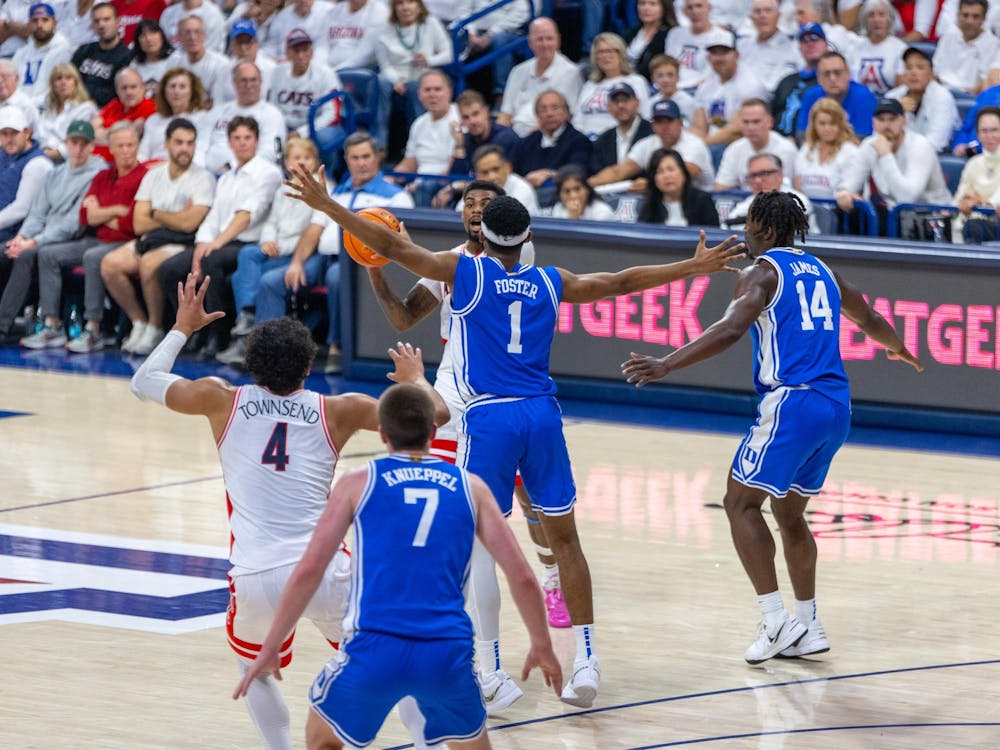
{"points": [[156, 586]]}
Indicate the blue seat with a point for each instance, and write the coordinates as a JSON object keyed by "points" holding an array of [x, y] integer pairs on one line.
{"points": [[328, 151], [964, 103], [717, 149], [952, 167], [362, 84]]}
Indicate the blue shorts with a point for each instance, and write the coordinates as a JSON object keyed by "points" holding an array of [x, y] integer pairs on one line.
{"points": [[499, 435], [374, 671], [790, 446]]}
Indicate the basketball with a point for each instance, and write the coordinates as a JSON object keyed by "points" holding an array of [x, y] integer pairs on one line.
{"points": [[359, 251]]}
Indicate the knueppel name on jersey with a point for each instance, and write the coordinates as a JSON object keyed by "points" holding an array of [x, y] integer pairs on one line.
{"points": [[280, 408], [420, 474], [521, 287]]}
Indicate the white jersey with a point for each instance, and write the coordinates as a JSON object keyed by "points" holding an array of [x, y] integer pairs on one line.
{"points": [[277, 460]]}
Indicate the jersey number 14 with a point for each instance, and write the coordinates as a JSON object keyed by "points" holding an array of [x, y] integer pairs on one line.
{"points": [[817, 308]]}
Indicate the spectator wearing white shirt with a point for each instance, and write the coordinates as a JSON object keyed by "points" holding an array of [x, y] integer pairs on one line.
{"points": [[212, 19], [263, 14], [14, 25], [489, 163], [719, 96], [610, 66], [271, 125], [980, 183], [67, 100], [577, 199], [668, 133], [46, 48], [764, 174], [179, 94], [929, 106], [876, 62], [353, 29], [242, 201], [211, 67], [548, 69], [430, 142], [170, 204], [297, 14], [492, 31], [75, 23], [686, 44], [665, 74], [827, 152], [757, 137], [903, 166], [244, 46], [300, 81], [770, 54], [836, 32], [965, 54], [151, 54], [11, 94]]}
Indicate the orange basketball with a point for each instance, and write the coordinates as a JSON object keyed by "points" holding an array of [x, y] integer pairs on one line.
{"points": [[359, 251]]}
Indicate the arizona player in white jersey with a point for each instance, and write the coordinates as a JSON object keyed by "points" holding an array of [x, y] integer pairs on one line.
{"points": [[794, 302], [512, 419], [406, 631], [278, 445], [499, 690]]}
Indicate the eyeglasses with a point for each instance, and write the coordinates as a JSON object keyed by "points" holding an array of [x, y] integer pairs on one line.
{"points": [[762, 174], [835, 73]]}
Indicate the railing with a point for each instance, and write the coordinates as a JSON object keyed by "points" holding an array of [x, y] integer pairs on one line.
{"points": [[865, 211], [460, 68]]}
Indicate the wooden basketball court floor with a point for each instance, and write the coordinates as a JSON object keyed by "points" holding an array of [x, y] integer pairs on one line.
{"points": [[112, 547]]}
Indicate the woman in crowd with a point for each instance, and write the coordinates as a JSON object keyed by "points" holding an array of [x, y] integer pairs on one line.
{"points": [[577, 199], [827, 151], [150, 51], [877, 60], [609, 65], [656, 18], [670, 197], [66, 101], [179, 93]]}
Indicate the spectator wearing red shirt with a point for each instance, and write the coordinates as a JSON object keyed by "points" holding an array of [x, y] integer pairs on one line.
{"points": [[130, 12], [131, 104], [107, 208]]}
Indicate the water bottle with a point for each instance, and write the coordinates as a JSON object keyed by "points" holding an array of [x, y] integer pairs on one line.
{"points": [[75, 323], [29, 320]]}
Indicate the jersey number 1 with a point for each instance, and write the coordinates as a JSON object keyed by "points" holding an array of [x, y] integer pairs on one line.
{"points": [[274, 451], [818, 307], [411, 496], [514, 310]]}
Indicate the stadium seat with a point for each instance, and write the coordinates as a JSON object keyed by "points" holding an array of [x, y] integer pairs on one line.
{"points": [[362, 84], [952, 167], [964, 102], [717, 150]]}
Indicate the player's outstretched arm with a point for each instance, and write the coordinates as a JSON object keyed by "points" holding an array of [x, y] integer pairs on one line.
{"points": [[153, 381], [858, 311], [409, 363], [495, 534], [707, 260], [392, 245], [308, 574], [402, 314], [755, 287]]}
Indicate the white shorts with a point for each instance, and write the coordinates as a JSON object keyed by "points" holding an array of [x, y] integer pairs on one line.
{"points": [[254, 597]]}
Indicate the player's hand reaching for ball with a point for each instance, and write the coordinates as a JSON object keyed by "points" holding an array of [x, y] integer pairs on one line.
{"points": [[545, 659], [717, 258], [304, 187], [409, 363]]}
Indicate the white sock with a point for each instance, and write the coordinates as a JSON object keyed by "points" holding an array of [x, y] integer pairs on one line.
{"points": [[138, 329], [773, 610], [805, 611], [550, 576], [482, 599], [487, 656], [269, 713], [584, 642]]}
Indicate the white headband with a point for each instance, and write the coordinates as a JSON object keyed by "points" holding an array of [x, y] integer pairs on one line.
{"points": [[504, 240]]}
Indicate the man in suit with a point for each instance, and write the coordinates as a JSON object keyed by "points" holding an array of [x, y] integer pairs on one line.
{"points": [[612, 146], [555, 144]]}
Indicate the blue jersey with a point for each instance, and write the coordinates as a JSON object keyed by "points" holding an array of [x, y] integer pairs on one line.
{"points": [[502, 325], [796, 339], [413, 531]]}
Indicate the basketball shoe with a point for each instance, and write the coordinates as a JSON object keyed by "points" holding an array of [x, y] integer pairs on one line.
{"points": [[813, 642], [769, 644], [582, 688], [555, 604], [499, 691]]}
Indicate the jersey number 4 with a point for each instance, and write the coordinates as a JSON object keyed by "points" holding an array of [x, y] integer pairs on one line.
{"points": [[413, 495], [274, 451], [816, 308]]}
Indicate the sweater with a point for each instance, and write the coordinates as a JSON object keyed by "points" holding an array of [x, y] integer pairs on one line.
{"points": [[55, 214]]}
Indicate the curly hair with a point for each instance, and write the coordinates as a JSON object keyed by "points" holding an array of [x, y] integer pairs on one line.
{"points": [[505, 216], [785, 213], [279, 355]]}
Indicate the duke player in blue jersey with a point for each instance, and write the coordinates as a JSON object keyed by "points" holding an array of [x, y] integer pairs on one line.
{"points": [[792, 303], [503, 321], [406, 632]]}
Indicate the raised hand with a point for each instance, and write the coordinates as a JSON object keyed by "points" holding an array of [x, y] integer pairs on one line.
{"points": [[191, 313], [717, 258], [306, 188], [409, 363]]}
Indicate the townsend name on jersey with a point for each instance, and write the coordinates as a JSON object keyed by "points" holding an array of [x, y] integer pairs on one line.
{"points": [[420, 474], [279, 408]]}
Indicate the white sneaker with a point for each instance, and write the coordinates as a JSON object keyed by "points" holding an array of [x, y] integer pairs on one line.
{"points": [[582, 688], [813, 642], [134, 336], [151, 337], [499, 691], [767, 645]]}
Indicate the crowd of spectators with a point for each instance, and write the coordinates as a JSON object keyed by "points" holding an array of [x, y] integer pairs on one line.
{"points": [[143, 141]]}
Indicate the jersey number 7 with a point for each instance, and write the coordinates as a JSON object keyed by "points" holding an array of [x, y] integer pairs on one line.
{"points": [[411, 496]]}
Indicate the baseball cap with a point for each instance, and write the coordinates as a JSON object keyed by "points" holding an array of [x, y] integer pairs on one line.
{"points": [[621, 88], [41, 9], [80, 129], [297, 36], [12, 117], [917, 51], [666, 108], [887, 106], [718, 37], [810, 31], [243, 26]]}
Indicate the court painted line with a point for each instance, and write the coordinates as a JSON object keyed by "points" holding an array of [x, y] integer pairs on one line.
{"points": [[727, 691], [112, 494], [785, 732]]}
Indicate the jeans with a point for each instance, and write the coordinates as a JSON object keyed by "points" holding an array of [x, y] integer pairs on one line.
{"points": [[272, 293], [251, 265]]}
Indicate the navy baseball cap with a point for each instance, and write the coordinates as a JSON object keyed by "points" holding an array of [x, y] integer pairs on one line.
{"points": [[887, 106], [810, 31], [621, 88], [667, 108], [41, 9]]}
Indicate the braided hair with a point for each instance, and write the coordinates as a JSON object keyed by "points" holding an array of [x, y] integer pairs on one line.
{"points": [[785, 213]]}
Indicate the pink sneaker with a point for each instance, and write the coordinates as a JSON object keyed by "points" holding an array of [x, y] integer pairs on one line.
{"points": [[556, 605]]}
